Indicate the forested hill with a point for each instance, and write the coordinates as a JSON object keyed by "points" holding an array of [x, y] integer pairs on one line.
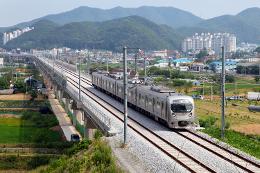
{"points": [[133, 31]]}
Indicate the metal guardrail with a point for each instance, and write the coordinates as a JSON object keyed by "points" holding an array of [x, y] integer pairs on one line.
{"points": [[100, 117]]}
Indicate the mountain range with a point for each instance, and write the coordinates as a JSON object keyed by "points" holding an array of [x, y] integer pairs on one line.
{"points": [[132, 31], [149, 27]]}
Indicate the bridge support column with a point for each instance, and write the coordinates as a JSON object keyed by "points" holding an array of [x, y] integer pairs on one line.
{"points": [[55, 90], [60, 94], [90, 128], [67, 104], [76, 113]]}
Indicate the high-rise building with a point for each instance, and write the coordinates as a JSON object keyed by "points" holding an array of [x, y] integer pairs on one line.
{"points": [[210, 42], [8, 36]]}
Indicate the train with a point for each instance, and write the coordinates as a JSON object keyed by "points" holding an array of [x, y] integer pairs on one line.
{"points": [[175, 110]]}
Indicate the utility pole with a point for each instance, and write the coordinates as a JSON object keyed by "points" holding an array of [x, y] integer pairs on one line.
{"points": [[211, 93], [203, 91], [79, 80], [88, 64], [236, 88], [125, 92], [53, 61], [223, 94], [259, 70], [144, 69], [135, 64], [107, 64]]}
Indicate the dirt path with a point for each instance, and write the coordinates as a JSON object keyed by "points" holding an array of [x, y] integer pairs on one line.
{"points": [[62, 116]]}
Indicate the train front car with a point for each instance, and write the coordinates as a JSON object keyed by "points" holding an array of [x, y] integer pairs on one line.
{"points": [[181, 112]]}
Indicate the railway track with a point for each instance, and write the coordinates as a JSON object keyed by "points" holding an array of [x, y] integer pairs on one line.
{"points": [[234, 158], [181, 157]]}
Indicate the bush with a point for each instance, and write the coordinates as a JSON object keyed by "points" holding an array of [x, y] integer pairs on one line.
{"points": [[227, 125], [98, 158], [20, 86], [39, 120], [33, 94], [23, 162], [230, 78], [102, 157], [98, 134], [208, 122], [82, 145], [42, 136], [45, 110]]}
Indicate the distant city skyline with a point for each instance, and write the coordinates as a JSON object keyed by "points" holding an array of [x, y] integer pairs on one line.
{"points": [[16, 11]]}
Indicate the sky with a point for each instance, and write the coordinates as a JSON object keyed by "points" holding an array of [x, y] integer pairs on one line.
{"points": [[16, 11]]}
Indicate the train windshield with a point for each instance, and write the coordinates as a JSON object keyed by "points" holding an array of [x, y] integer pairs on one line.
{"points": [[181, 106]]}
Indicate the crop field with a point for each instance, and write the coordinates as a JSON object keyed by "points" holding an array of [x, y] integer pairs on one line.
{"points": [[16, 129], [19, 96]]}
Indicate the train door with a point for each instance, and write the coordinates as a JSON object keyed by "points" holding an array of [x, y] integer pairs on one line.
{"points": [[153, 106], [163, 110]]}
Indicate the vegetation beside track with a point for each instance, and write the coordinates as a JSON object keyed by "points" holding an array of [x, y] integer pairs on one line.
{"points": [[86, 156], [247, 143]]}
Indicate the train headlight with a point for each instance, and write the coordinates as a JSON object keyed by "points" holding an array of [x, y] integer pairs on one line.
{"points": [[173, 114], [190, 115]]}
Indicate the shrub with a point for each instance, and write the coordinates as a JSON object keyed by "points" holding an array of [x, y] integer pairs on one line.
{"points": [[82, 145], [98, 134], [39, 120], [42, 136], [33, 94], [230, 78], [102, 155], [227, 125], [208, 122]]}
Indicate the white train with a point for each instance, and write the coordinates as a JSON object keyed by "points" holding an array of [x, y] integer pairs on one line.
{"points": [[173, 109]]}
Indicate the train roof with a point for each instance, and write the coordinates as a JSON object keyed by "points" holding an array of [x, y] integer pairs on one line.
{"points": [[157, 91]]}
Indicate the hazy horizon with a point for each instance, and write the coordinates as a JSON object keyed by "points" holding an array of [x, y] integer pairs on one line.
{"points": [[14, 11]]}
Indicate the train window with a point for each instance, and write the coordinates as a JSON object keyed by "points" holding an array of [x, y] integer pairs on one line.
{"points": [[150, 102], [162, 106], [158, 105]]}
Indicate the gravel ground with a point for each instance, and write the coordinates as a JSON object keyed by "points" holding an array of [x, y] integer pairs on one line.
{"points": [[149, 157]]}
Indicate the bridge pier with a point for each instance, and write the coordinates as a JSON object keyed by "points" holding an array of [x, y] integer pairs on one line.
{"points": [[90, 127], [60, 94]]}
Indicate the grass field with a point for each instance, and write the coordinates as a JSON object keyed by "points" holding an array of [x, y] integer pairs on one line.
{"points": [[16, 130], [236, 115], [248, 143]]}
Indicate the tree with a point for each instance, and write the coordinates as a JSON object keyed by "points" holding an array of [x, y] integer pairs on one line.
{"points": [[257, 50], [3, 83], [202, 54], [230, 79], [20, 85], [33, 94]]}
